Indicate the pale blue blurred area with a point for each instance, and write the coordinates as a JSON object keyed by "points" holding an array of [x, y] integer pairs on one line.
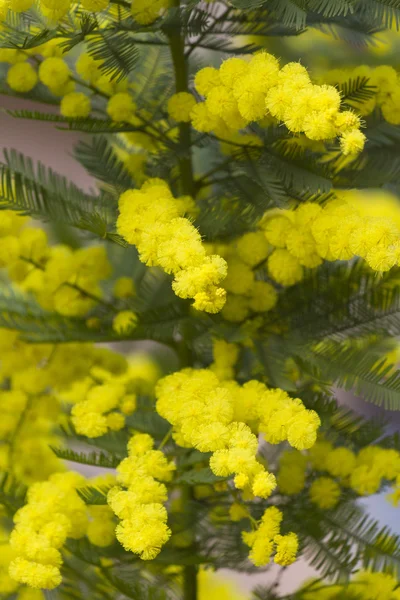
{"points": [[383, 511]]}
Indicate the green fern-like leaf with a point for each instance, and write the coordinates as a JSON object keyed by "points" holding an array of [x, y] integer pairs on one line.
{"points": [[40, 192], [116, 51], [357, 370], [200, 477], [94, 459], [94, 495]]}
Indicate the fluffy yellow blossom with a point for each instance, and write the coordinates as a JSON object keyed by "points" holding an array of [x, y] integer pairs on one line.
{"points": [[325, 492], [244, 91], [75, 104], [54, 511], [180, 106], [142, 529], [352, 142], [286, 549], [206, 79], [54, 72], [22, 77], [121, 107], [149, 218]]}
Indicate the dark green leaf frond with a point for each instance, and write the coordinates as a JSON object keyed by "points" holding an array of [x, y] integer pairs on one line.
{"points": [[40, 192], [116, 50]]}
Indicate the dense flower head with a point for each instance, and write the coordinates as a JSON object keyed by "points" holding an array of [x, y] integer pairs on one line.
{"points": [[138, 500], [203, 416], [266, 537], [244, 91], [53, 512], [340, 230], [151, 220], [339, 469]]}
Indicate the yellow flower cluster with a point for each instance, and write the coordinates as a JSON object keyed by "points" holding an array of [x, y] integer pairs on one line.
{"points": [[138, 500], [241, 92], [306, 236], [266, 536], [386, 81], [366, 585], [61, 279], [31, 377], [53, 512], [245, 293], [214, 416], [152, 220], [225, 357], [97, 413], [99, 408], [364, 472]]}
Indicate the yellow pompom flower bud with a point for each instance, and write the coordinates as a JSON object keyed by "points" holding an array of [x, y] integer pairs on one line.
{"points": [[121, 107], [284, 268], [352, 142], [75, 104], [22, 77], [202, 119], [231, 70], [265, 68], [381, 258], [220, 100], [286, 549], [240, 277], [54, 72], [35, 574], [263, 296], [180, 106], [206, 79], [115, 421], [124, 322], [276, 228], [264, 484], [54, 10], [346, 121], [252, 248], [340, 462], [325, 492], [128, 405]]}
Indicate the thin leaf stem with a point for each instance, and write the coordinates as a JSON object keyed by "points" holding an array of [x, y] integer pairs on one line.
{"points": [[177, 47]]}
